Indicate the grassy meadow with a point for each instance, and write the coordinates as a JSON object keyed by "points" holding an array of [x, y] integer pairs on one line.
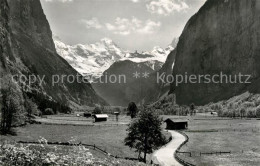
{"points": [[108, 136], [207, 133], [239, 136]]}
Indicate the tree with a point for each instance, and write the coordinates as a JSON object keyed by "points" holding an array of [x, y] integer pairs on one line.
{"points": [[258, 112], [12, 109], [97, 110], [145, 133], [132, 109], [242, 112], [31, 108], [7, 113], [192, 108]]}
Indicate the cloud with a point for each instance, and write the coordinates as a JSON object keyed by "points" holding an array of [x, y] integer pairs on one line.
{"points": [[149, 27], [63, 1], [124, 26], [135, 1], [166, 7], [92, 23]]}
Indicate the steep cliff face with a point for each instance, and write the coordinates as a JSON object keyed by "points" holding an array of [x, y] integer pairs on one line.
{"points": [[32, 52], [4, 34], [224, 36]]}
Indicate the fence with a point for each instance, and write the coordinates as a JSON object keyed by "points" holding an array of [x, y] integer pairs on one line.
{"points": [[185, 163], [211, 153], [98, 125], [80, 144]]}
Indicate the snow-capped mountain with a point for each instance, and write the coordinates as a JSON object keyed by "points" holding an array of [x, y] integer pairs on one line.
{"points": [[93, 59], [90, 59], [157, 54]]}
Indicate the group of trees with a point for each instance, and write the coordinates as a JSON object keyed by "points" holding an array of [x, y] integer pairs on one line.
{"points": [[12, 108], [17, 106], [7, 111], [43, 102], [240, 113], [97, 110], [104, 109], [167, 106], [237, 110]]}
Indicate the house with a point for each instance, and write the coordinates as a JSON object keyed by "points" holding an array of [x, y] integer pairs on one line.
{"points": [[116, 113], [100, 117], [87, 114], [176, 124]]}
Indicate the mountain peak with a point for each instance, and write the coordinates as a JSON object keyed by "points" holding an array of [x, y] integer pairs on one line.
{"points": [[93, 59], [107, 41]]}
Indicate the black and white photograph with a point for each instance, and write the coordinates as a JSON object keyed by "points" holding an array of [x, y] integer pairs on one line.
{"points": [[129, 82]]}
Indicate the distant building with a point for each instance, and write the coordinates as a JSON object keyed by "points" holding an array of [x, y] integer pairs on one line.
{"points": [[176, 124], [87, 114], [116, 113], [100, 117]]}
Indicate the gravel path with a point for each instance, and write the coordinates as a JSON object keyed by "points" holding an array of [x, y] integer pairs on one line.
{"points": [[165, 155]]}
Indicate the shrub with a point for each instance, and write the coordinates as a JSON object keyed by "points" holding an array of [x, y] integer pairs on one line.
{"points": [[43, 154], [31, 108], [48, 111], [220, 113], [251, 112], [257, 102], [258, 112]]}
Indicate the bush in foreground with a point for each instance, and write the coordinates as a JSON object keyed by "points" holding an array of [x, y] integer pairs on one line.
{"points": [[43, 154]]}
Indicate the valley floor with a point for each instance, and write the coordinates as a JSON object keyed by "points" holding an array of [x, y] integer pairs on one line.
{"points": [[108, 136], [240, 137], [207, 134]]}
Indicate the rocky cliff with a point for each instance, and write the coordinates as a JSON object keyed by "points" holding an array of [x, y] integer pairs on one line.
{"points": [[29, 50], [223, 36]]}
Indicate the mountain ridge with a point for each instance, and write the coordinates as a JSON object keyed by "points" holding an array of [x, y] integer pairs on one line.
{"points": [[93, 59]]}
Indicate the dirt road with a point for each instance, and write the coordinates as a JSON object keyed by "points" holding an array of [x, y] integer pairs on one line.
{"points": [[165, 155]]}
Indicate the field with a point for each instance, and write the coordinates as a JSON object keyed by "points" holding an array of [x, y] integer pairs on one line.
{"points": [[206, 134], [72, 119], [241, 137], [108, 136]]}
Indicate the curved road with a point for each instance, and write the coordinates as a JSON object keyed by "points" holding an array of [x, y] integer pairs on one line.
{"points": [[165, 155]]}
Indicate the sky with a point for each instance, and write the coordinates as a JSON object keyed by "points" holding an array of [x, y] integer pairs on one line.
{"points": [[132, 24]]}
